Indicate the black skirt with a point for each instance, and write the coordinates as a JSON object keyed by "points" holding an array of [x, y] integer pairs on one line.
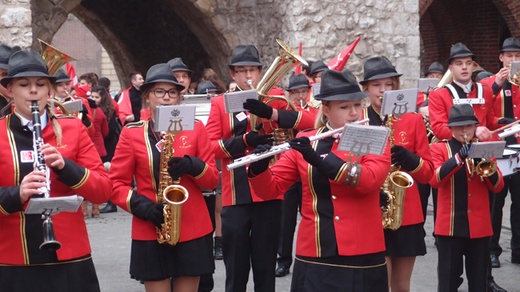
{"points": [[354, 274], [78, 275], [407, 241], [151, 261]]}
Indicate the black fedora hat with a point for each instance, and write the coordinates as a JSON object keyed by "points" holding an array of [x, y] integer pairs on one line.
{"points": [[61, 76], [298, 81], [378, 68], [435, 67], [459, 50], [462, 115], [510, 44], [26, 64], [160, 73], [6, 52], [336, 85], [245, 55], [176, 64], [317, 66], [206, 86]]}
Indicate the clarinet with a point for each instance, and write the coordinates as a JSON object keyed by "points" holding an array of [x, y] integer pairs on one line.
{"points": [[49, 239]]}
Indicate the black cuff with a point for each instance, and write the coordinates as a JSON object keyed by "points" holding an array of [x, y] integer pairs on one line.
{"points": [[495, 88], [412, 162], [493, 179], [198, 165], [447, 167], [10, 199], [332, 166], [139, 204], [287, 119], [72, 174]]}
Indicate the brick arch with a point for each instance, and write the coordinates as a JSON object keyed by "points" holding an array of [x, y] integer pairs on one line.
{"points": [[482, 27], [173, 29]]}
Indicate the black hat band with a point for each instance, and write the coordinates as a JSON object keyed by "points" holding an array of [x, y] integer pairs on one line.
{"points": [[180, 67], [28, 68], [510, 47], [163, 77], [380, 71], [243, 58], [340, 90], [462, 119]]}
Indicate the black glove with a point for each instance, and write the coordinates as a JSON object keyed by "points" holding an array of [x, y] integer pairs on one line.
{"points": [[303, 145], [404, 158], [505, 121], [259, 166], [258, 108], [92, 103], [178, 166], [145, 209], [84, 116], [464, 151], [253, 139]]}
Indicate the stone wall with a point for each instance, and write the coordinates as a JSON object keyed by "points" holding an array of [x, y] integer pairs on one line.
{"points": [[15, 22]]}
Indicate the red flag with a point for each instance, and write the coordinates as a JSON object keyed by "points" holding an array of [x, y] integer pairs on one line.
{"points": [[72, 74], [298, 69], [338, 62]]}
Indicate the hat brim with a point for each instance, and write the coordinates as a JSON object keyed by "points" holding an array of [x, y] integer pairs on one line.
{"points": [[473, 57], [6, 80], [463, 123], [181, 69], [510, 50], [246, 63], [381, 76], [298, 87], [143, 87], [354, 96], [4, 66], [62, 80]]}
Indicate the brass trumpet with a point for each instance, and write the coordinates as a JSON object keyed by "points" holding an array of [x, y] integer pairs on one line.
{"points": [[484, 168], [514, 73]]}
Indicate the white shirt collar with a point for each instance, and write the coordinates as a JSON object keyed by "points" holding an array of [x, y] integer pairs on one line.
{"points": [[28, 123], [465, 87]]}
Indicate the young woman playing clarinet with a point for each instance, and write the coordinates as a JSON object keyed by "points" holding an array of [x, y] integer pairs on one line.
{"points": [[340, 244], [410, 151], [74, 167], [138, 154]]}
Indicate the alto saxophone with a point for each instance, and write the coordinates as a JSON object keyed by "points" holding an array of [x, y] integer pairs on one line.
{"points": [[394, 187], [170, 193]]}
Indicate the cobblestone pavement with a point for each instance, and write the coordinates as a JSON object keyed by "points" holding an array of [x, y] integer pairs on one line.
{"points": [[110, 240]]}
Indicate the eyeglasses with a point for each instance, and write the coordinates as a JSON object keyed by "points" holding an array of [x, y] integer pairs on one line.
{"points": [[160, 93], [299, 93], [245, 71]]}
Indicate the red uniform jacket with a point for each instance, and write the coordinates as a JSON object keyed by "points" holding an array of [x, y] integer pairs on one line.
{"points": [[137, 155], [441, 100], [125, 105], [226, 131], [463, 202], [336, 219], [501, 106], [83, 175], [410, 132]]}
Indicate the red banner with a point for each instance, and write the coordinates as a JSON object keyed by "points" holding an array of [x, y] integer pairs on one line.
{"points": [[338, 62]]}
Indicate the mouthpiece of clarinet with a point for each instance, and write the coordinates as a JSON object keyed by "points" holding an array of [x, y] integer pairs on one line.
{"points": [[250, 82]]}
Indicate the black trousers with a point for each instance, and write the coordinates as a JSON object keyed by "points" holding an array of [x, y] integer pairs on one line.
{"points": [[451, 251], [424, 193], [290, 207], [511, 185], [249, 239]]}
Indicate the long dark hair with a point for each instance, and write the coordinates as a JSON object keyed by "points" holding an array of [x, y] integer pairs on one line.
{"points": [[105, 104]]}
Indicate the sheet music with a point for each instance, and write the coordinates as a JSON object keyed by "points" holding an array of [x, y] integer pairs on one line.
{"points": [[426, 84], [73, 106], [399, 102], [362, 140], [234, 101], [179, 117], [487, 149], [316, 89], [56, 204]]}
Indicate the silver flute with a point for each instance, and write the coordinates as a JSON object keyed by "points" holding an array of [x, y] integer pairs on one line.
{"points": [[282, 148]]}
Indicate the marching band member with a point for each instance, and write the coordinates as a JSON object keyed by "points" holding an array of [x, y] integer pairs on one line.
{"points": [[182, 73], [461, 90], [340, 243], [5, 101], [138, 154], [507, 108], [412, 154], [250, 224], [75, 168], [463, 224]]}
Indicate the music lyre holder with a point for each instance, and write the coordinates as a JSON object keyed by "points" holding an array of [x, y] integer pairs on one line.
{"points": [[47, 207]]}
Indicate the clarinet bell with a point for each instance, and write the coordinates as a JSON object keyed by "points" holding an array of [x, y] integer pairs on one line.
{"points": [[49, 239]]}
